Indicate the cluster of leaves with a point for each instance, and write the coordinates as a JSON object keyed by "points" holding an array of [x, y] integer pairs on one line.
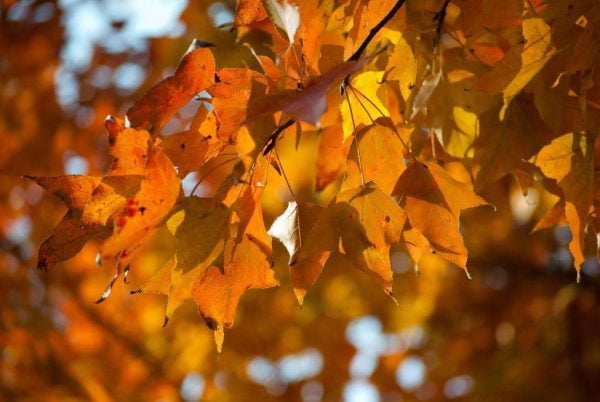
{"points": [[412, 125]]}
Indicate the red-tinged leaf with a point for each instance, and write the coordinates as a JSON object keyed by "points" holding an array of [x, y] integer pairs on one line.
{"points": [[248, 12], [230, 97], [128, 149], [135, 222]]}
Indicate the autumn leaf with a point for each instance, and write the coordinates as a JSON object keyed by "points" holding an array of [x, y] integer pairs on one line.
{"points": [[367, 222], [201, 227], [248, 12], [569, 160], [433, 201], [362, 105], [70, 234], [128, 149], [189, 149], [381, 158], [310, 103], [142, 213], [195, 72], [217, 294]]}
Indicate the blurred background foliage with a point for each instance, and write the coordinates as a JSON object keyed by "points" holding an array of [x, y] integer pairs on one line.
{"points": [[522, 329]]}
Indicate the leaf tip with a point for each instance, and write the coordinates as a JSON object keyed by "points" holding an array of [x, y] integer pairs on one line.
{"points": [[390, 293], [300, 293], [219, 334]]}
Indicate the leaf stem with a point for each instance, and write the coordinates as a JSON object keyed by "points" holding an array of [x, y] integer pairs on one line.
{"points": [[360, 166]]}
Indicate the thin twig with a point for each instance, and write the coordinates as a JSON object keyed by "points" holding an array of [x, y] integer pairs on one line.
{"points": [[205, 175], [284, 175], [440, 16], [274, 136]]}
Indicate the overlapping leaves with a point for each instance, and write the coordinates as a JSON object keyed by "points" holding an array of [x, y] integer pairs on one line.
{"points": [[393, 98]]}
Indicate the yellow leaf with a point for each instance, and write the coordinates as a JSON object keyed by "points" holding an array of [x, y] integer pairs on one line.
{"points": [[537, 50], [569, 160], [403, 67], [200, 226], [381, 156], [369, 222], [365, 106]]}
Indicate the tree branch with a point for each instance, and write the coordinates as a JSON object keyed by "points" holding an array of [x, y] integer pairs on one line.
{"points": [[356, 55]]}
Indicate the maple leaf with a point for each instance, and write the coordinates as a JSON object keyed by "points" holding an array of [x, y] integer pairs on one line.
{"points": [[196, 71], [200, 226], [368, 222], [293, 225], [381, 158], [189, 149], [433, 201], [309, 103], [70, 235], [128, 149], [569, 160], [402, 67], [143, 212], [217, 293]]}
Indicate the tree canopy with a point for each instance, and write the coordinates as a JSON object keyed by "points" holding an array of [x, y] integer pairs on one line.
{"points": [[311, 141]]}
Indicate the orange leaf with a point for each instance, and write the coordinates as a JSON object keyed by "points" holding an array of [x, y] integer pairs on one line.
{"points": [[217, 294], [189, 149], [381, 156], [433, 201], [70, 235], [135, 222], [196, 71], [128, 149]]}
